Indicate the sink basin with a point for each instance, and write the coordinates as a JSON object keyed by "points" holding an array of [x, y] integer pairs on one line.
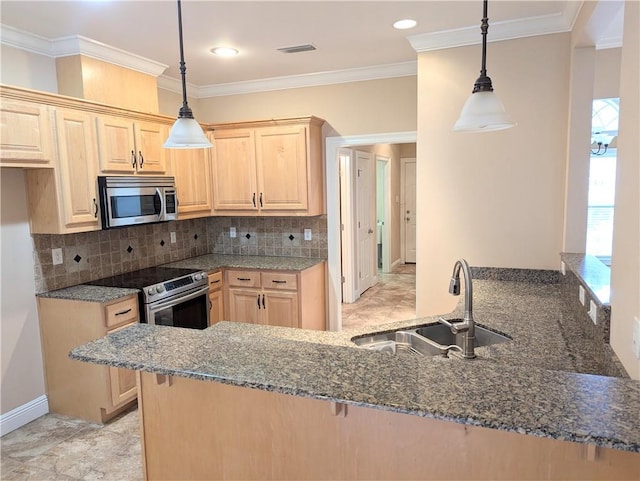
{"points": [[443, 335], [399, 341]]}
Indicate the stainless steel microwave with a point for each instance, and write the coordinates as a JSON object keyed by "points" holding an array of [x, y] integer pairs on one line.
{"points": [[126, 201]]}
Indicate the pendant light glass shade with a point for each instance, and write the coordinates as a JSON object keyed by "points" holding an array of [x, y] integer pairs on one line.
{"points": [[187, 134], [483, 112]]}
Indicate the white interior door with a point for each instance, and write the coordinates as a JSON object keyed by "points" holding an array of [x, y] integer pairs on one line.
{"points": [[348, 225], [365, 204], [409, 209]]}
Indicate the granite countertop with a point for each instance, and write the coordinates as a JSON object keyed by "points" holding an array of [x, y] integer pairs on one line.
{"points": [[527, 385], [207, 262]]}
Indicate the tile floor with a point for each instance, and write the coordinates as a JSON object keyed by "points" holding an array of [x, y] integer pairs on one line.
{"points": [[56, 447], [393, 298]]}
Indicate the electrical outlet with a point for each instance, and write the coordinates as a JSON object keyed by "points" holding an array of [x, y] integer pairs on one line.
{"points": [[307, 234], [593, 311], [581, 294], [173, 237], [563, 268], [56, 256], [635, 343], [232, 232]]}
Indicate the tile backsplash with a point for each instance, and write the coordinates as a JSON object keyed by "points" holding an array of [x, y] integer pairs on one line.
{"points": [[93, 255]]}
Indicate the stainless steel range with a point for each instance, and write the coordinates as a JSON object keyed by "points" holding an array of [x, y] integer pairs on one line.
{"points": [[168, 296]]}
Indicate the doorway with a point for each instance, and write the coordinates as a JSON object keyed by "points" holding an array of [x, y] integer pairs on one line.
{"points": [[383, 213], [334, 224], [408, 209]]}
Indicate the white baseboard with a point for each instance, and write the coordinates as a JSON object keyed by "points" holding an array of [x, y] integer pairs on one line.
{"points": [[396, 263], [23, 414]]}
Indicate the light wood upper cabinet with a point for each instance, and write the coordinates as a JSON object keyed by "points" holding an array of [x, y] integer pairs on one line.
{"points": [[192, 171], [26, 136], [64, 200], [128, 147], [269, 168]]}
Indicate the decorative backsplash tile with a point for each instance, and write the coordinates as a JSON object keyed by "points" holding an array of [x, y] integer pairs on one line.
{"points": [[92, 255]]}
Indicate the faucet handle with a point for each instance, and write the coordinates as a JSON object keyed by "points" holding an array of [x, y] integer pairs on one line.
{"points": [[456, 327]]}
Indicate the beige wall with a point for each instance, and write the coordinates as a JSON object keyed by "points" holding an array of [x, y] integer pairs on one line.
{"points": [[29, 70], [169, 103], [625, 267], [494, 198], [374, 106], [22, 371], [607, 73]]}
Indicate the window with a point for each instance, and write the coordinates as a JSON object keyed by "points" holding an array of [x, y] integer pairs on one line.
{"points": [[602, 178]]}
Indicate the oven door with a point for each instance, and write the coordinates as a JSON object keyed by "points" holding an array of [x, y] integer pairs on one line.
{"points": [[134, 205], [189, 309]]}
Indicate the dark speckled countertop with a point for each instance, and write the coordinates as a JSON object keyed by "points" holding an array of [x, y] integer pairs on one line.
{"points": [[528, 385]]}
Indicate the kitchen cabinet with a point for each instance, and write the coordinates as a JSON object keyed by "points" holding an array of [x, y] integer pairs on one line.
{"points": [[216, 297], [26, 135], [268, 168], [64, 199], [91, 392], [192, 171], [132, 147], [277, 298]]}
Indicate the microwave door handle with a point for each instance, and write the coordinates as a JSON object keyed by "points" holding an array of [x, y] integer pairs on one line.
{"points": [[161, 305], [161, 195]]}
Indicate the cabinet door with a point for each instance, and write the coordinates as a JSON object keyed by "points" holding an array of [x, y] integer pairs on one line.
{"points": [[116, 144], [244, 305], [280, 309], [26, 138], [234, 173], [152, 158], [192, 171], [217, 307], [281, 163], [78, 159], [122, 382]]}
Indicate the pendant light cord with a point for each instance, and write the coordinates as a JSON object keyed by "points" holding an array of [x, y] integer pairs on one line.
{"points": [[483, 84], [185, 111]]}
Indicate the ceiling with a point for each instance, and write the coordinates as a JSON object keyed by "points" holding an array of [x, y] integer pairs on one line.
{"points": [[347, 34]]}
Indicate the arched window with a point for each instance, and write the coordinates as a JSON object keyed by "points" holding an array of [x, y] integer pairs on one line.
{"points": [[602, 178]]}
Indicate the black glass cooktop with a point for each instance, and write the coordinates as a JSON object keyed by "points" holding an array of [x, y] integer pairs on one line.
{"points": [[143, 278]]}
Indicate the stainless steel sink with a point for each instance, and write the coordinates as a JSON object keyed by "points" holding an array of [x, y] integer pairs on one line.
{"points": [[433, 340], [443, 335], [399, 341]]}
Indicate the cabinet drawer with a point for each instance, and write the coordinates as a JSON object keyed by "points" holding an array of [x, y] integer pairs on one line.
{"points": [[277, 280], [215, 280], [121, 312], [243, 278]]}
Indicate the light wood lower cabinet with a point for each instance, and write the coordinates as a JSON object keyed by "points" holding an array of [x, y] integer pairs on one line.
{"points": [[255, 434], [85, 391], [216, 297], [277, 298]]}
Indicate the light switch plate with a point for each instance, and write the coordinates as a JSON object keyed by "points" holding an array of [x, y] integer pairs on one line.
{"points": [[173, 237], [232, 232], [581, 294], [593, 311], [635, 343], [307, 234], [56, 256]]}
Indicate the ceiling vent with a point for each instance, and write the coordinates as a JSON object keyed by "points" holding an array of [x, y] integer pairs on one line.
{"points": [[297, 48]]}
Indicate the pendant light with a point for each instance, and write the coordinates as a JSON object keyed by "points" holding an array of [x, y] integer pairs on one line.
{"points": [[186, 132], [483, 111]]}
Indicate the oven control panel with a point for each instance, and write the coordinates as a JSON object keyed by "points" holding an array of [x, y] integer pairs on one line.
{"points": [[175, 286]]}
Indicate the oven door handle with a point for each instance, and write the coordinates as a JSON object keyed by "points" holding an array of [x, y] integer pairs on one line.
{"points": [[178, 299]]}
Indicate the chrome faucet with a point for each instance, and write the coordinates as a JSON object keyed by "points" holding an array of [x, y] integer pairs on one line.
{"points": [[467, 326]]}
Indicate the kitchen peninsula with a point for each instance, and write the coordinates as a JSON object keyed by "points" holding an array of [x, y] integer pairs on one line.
{"points": [[246, 401]]}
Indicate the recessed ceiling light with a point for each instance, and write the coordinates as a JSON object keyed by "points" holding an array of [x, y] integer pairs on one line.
{"points": [[224, 51], [405, 24]]}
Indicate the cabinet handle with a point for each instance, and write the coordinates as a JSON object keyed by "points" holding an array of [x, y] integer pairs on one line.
{"points": [[263, 306], [133, 159], [95, 206], [214, 282], [141, 158], [261, 200], [278, 282], [253, 198], [123, 312], [243, 278], [210, 305], [258, 301]]}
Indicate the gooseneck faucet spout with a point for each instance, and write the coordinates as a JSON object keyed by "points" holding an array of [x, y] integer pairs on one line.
{"points": [[467, 326]]}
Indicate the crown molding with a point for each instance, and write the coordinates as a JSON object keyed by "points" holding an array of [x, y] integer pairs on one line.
{"points": [[78, 45], [506, 30]]}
